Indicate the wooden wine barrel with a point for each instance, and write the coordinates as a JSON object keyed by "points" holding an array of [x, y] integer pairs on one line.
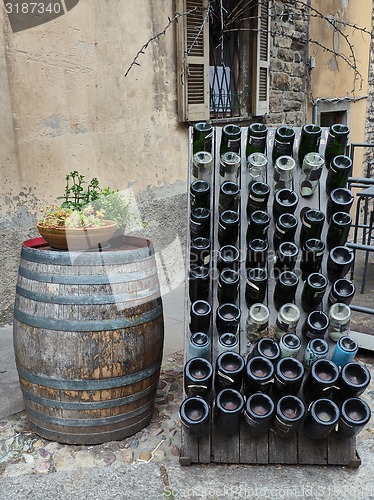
{"points": [[88, 340]]}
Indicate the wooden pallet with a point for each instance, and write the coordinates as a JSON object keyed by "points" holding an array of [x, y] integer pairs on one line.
{"points": [[242, 448]]}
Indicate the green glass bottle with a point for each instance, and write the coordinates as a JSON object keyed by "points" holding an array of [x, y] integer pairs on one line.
{"points": [[337, 141], [283, 142], [309, 140], [256, 141], [339, 170], [202, 137], [230, 140]]}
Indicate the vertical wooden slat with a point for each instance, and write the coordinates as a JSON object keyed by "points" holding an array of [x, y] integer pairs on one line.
{"points": [[282, 451], [311, 451]]}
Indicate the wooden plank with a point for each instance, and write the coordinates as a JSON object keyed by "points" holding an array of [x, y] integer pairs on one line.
{"points": [[282, 451], [311, 451], [253, 450], [225, 449], [341, 451]]}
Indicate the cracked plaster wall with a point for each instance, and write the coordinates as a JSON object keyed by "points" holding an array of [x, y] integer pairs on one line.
{"points": [[66, 105]]}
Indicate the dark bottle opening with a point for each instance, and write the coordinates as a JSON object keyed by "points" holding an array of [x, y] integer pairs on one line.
{"points": [[285, 201], [259, 222], [200, 194], [289, 374], [309, 140], [347, 344], [290, 411], [283, 142], [315, 325], [228, 257], [313, 291], [355, 414], [200, 222], [312, 221], [340, 169], [258, 413], [286, 256], [321, 419], [228, 227], [285, 289], [194, 413], [321, 380], [285, 229], [267, 348], [228, 286], [256, 284], [340, 200], [291, 340], [199, 283], [229, 196], [198, 377], [228, 340], [258, 196], [200, 251], [339, 262], [227, 318], [231, 137], [258, 375], [311, 257], [257, 251], [229, 370], [228, 408], [338, 231], [200, 316], [354, 379], [343, 291]]}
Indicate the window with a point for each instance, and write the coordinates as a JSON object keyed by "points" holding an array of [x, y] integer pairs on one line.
{"points": [[223, 59]]}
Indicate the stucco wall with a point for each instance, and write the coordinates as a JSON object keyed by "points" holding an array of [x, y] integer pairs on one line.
{"points": [[344, 47], [66, 105]]}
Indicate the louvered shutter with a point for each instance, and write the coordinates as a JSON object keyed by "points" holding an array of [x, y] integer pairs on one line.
{"points": [[193, 60], [262, 59]]}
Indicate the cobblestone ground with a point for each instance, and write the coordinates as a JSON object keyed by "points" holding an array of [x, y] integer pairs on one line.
{"points": [[23, 452]]}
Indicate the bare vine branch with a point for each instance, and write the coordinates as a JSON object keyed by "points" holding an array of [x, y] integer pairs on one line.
{"points": [[295, 8], [144, 47]]}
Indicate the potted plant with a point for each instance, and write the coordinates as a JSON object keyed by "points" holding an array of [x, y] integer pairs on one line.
{"points": [[89, 215]]}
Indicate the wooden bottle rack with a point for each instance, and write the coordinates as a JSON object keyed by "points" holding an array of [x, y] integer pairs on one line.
{"points": [[242, 448]]}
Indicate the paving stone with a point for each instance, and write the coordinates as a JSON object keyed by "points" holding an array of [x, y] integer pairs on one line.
{"points": [[145, 455], [84, 458], [20, 469], [125, 456]]}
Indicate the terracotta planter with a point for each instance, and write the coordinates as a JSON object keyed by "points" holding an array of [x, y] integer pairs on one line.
{"points": [[77, 238]]}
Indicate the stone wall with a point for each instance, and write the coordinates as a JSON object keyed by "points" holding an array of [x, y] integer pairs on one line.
{"points": [[369, 129], [288, 70]]}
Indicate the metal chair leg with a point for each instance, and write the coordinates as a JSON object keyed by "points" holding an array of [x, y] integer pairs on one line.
{"points": [[370, 237]]}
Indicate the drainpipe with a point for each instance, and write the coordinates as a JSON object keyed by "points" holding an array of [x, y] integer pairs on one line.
{"points": [[309, 82], [315, 111]]}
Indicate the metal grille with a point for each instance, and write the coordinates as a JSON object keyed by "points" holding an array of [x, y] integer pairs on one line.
{"points": [[228, 18]]}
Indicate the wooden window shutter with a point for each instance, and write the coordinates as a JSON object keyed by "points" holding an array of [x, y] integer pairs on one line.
{"points": [[193, 60], [262, 59]]}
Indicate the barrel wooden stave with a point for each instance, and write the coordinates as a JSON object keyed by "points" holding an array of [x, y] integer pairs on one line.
{"points": [[88, 364]]}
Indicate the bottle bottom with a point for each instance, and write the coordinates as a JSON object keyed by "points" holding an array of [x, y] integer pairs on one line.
{"points": [[306, 189]]}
